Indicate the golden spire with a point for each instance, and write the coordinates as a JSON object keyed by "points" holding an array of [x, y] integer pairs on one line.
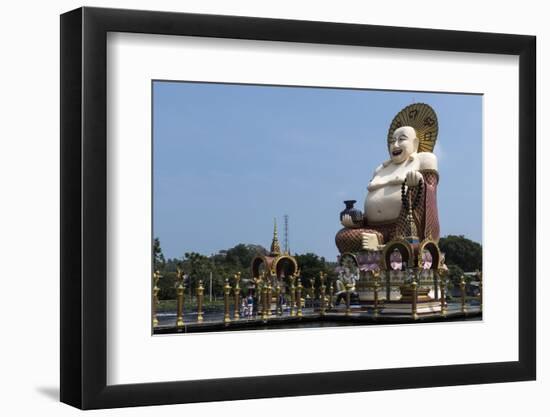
{"points": [[275, 247]]}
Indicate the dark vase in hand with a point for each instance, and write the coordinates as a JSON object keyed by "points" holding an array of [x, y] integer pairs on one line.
{"points": [[354, 213]]}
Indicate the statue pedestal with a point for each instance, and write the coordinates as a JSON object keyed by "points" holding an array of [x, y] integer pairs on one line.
{"points": [[424, 303], [421, 294], [405, 308]]}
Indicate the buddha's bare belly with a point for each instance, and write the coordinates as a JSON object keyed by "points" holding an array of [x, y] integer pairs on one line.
{"points": [[383, 204]]}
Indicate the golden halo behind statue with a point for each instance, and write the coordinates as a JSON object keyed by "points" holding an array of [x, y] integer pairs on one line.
{"points": [[423, 119]]}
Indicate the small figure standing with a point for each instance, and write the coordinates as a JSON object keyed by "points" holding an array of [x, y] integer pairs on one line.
{"points": [[244, 308], [250, 306]]}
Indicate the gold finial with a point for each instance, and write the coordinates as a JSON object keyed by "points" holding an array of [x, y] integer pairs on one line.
{"points": [[463, 294], [480, 277], [348, 299], [299, 297], [180, 298], [200, 299], [278, 305], [237, 294], [226, 293], [322, 277], [265, 305], [275, 247], [268, 295], [322, 293], [442, 288], [375, 275], [414, 286], [156, 289], [292, 279]]}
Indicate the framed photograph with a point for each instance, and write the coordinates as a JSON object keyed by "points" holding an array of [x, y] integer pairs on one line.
{"points": [[259, 207]]}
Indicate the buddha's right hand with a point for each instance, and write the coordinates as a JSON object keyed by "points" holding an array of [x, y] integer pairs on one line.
{"points": [[348, 222]]}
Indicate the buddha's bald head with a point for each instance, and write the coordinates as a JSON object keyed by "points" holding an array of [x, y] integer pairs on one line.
{"points": [[402, 144]]}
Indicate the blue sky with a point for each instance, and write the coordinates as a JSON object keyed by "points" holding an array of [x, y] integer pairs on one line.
{"points": [[229, 158]]}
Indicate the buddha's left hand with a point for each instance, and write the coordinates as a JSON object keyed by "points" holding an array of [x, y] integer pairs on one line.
{"points": [[413, 178]]}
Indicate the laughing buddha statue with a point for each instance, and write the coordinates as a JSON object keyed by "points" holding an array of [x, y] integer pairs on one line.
{"points": [[401, 200]]}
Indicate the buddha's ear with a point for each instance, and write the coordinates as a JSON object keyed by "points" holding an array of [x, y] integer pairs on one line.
{"points": [[416, 142]]}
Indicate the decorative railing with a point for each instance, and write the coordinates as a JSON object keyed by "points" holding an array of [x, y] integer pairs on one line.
{"points": [[275, 299]]}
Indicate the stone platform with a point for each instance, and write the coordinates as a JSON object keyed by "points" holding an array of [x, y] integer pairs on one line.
{"points": [[333, 318]]}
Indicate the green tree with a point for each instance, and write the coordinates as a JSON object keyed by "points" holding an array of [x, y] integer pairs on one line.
{"points": [[225, 264], [241, 255], [167, 286], [455, 274], [311, 265], [166, 283], [158, 257], [196, 267], [462, 252]]}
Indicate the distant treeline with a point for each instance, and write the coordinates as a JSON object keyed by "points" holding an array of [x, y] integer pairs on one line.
{"points": [[225, 264], [461, 255]]}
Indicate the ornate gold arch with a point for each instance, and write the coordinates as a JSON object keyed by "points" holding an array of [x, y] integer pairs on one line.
{"points": [[427, 244], [259, 259], [270, 263], [351, 255], [394, 244], [280, 258]]}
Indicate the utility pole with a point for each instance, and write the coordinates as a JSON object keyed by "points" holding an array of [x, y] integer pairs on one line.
{"points": [[286, 234]]}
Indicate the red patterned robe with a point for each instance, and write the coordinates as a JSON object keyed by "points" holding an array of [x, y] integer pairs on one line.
{"points": [[425, 216]]}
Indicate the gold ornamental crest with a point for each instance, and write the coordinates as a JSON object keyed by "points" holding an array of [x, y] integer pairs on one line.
{"points": [[423, 119]]}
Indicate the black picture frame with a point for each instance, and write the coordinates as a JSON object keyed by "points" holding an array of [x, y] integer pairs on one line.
{"points": [[84, 207]]}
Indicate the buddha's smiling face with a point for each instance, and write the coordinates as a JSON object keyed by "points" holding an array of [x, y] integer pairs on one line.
{"points": [[403, 144]]}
